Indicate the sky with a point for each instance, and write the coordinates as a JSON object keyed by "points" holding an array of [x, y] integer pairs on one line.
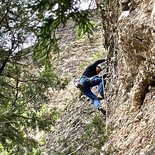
{"points": [[85, 4]]}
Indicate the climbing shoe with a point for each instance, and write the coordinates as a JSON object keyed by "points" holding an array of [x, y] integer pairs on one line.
{"points": [[102, 110], [100, 97]]}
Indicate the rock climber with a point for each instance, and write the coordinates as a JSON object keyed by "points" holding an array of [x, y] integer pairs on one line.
{"points": [[90, 79]]}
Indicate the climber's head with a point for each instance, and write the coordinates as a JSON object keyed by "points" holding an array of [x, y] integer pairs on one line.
{"points": [[98, 69]]}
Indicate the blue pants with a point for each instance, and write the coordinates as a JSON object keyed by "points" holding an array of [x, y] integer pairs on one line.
{"points": [[87, 84]]}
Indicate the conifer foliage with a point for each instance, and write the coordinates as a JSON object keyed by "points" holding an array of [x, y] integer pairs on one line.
{"points": [[27, 40]]}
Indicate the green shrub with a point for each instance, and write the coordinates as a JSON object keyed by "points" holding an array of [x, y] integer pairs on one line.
{"points": [[95, 133]]}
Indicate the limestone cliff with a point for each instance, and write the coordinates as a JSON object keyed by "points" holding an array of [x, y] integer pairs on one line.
{"points": [[132, 84]]}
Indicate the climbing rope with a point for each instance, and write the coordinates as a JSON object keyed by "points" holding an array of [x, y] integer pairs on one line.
{"points": [[105, 97]]}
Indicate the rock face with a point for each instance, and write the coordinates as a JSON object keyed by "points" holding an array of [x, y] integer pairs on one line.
{"points": [[132, 85]]}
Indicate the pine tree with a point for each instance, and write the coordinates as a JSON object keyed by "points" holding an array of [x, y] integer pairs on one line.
{"points": [[27, 38]]}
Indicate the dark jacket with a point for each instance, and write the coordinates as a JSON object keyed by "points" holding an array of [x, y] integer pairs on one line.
{"points": [[91, 69]]}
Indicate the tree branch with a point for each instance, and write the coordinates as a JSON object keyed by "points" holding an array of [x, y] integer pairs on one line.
{"points": [[17, 82]]}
